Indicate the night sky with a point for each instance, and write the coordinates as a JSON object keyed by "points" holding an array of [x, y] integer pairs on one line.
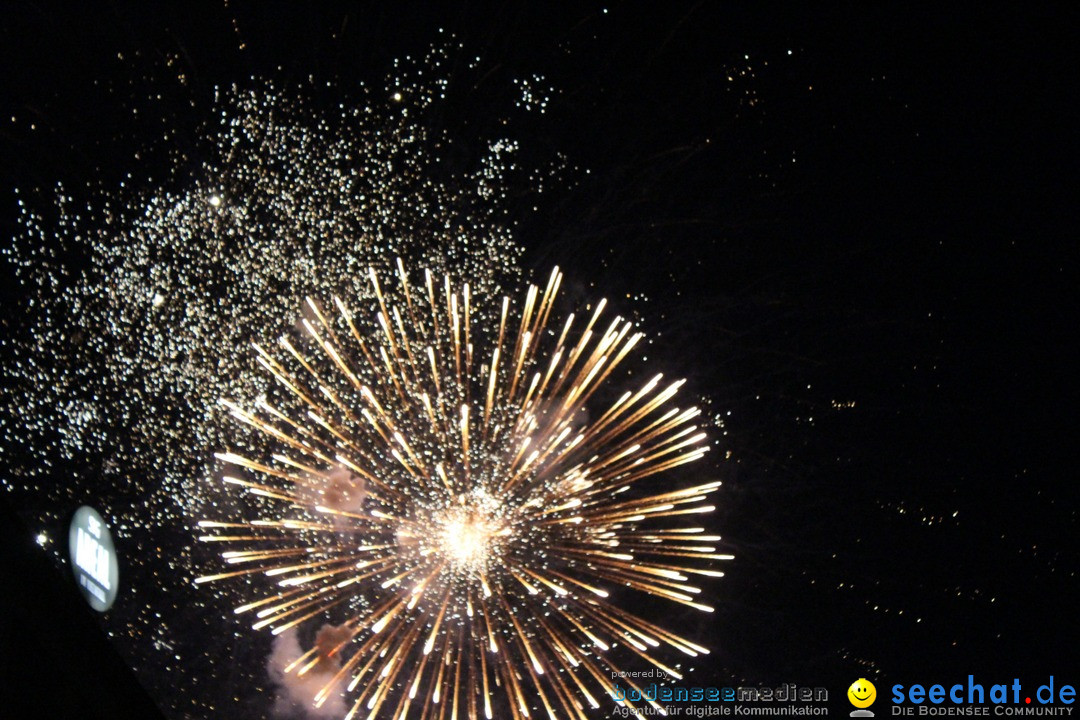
{"points": [[851, 229]]}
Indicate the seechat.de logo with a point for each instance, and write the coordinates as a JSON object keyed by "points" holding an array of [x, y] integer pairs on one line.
{"points": [[977, 698]]}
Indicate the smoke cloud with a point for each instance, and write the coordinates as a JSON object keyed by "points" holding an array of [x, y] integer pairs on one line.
{"points": [[337, 489], [295, 698]]}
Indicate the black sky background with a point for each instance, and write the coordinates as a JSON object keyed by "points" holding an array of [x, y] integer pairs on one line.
{"points": [[885, 216]]}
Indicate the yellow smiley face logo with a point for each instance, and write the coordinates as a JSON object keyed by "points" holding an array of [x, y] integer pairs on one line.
{"points": [[862, 693]]}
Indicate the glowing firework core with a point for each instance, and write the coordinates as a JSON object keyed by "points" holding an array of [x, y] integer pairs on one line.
{"points": [[466, 538]]}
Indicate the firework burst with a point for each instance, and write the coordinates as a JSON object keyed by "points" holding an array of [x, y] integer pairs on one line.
{"points": [[139, 300], [427, 469]]}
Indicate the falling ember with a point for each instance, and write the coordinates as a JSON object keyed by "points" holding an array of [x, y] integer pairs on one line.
{"points": [[500, 535]]}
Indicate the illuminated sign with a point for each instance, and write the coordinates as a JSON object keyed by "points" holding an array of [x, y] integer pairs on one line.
{"points": [[93, 558]]}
